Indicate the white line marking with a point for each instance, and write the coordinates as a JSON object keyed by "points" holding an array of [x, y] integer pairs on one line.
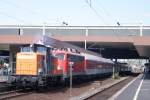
{"points": [[123, 89], [138, 90]]}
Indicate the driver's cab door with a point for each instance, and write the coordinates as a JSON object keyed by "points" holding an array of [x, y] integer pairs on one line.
{"points": [[60, 63]]}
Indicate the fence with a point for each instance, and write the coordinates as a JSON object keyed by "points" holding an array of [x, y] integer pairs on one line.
{"points": [[6, 71]]}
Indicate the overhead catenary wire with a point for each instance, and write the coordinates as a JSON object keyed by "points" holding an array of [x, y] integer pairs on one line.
{"points": [[19, 7], [115, 19], [44, 18], [12, 17], [107, 13], [89, 3]]}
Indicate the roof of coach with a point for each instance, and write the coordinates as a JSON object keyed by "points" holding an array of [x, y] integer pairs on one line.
{"points": [[147, 64], [97, 58], [122, 64]]}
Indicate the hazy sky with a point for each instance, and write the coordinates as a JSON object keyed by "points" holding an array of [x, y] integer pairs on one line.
{"points": [[75, 12]]}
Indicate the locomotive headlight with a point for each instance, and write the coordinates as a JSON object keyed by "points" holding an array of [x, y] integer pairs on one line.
{"points": [[40, 71], [59, 67]]}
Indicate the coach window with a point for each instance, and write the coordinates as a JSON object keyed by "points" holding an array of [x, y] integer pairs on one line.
{"points": [[60, 56]]}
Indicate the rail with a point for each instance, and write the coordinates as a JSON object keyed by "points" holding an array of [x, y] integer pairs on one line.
{"points": [[13, 94]]}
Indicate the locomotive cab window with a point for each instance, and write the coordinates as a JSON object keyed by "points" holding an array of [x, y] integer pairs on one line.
{"points": [[33, 48], [74, 58], [41, 49], [71, 58], [25, 49]]}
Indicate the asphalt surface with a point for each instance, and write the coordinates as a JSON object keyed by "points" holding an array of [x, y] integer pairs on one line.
{"points": [[138, 90]]}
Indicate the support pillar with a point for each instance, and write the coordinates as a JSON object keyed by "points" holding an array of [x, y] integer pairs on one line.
{"points": [[114, 69], [12, 57], [85, 45], [141, 29], [43, 29], [20, 31], [85, 41]]}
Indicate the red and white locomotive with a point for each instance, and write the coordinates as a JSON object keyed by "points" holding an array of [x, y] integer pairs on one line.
{"points": [[83, 63]]}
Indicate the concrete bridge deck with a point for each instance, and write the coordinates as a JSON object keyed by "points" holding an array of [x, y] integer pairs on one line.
{"points": [[110, 41]]}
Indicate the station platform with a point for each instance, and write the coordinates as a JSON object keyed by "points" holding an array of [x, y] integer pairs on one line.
{"points": [[3, 79], [138, 89]]}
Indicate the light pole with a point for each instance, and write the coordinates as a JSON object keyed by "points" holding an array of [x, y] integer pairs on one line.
{"points": [[113, 71], [71, 65], [114, 68]]}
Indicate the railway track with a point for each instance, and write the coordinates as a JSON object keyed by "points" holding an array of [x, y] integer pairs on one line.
{"points": [[14, 94], [107, 93], [53, 91]]}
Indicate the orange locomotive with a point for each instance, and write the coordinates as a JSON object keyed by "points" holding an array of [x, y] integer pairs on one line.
{"points": [[32, 66], [29, 63], [38, 65]]}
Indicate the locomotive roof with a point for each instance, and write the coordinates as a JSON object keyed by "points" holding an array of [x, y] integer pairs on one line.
{"points": [[87, 56], [62, 51], [59, 44]]}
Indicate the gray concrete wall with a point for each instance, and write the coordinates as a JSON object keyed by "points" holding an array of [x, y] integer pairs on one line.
{"points": [[12, 55]]}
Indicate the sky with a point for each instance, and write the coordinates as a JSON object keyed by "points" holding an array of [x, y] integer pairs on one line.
{"points": [[75, 12]]}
